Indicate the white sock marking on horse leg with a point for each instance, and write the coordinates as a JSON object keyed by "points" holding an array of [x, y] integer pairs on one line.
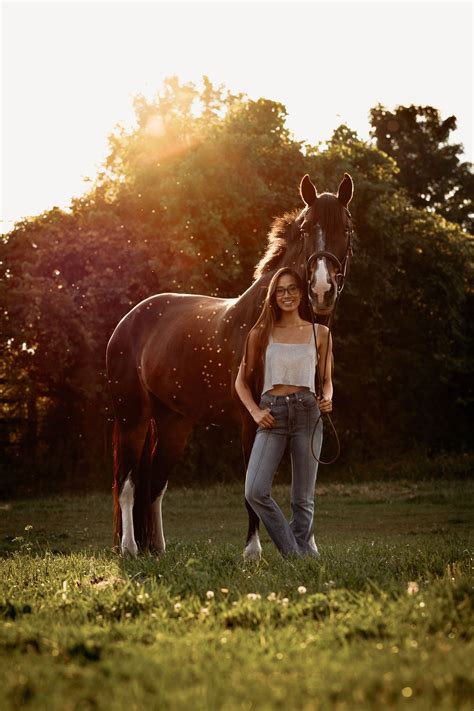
{"points": [[159, 543], [253, 549], [312, 546], [128, 544]]}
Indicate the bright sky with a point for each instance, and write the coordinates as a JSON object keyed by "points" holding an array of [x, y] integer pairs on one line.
{"points": [[70, 69]]}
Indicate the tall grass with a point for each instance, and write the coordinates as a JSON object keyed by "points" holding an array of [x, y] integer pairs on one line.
{"points": [[382, 620]]}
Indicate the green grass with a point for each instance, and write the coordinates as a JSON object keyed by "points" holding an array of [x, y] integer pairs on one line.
{"points": [[382, 620]]}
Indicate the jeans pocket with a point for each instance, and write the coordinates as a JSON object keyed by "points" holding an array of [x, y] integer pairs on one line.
{"points": [[308, 403]]}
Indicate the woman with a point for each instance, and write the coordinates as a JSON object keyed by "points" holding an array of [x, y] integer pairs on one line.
{"points": [[278, 373]]}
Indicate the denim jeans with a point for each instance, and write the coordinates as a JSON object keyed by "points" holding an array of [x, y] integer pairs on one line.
{"points": [[295, 416]]}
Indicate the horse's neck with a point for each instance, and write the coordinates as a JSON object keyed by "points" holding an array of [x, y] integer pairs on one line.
{"points": [[248, 306], [243, 312]]}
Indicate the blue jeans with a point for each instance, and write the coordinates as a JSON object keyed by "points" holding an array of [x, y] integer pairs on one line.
{"points": [[295, 416]]}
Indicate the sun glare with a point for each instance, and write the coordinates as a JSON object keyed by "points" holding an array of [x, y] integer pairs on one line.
{"points": [[259, 49], [155, 127]]}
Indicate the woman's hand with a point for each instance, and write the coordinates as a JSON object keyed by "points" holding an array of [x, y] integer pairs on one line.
{"points": [[263, 418], [324, 404]]}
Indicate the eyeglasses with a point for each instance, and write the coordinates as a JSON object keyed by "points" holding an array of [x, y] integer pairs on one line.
{"points": [[292, 290]]}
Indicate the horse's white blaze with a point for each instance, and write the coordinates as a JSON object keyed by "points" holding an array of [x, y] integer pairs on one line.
{"points": [[253, 549], [128, 544], [321, 281], [159, 543]]}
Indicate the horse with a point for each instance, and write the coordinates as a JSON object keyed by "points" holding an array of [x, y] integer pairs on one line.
{"points": [[173, 359]]}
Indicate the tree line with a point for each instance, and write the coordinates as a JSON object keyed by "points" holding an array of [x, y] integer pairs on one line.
{"points": [[183, 203]]}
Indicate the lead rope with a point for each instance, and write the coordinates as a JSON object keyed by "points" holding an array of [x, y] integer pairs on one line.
{"points": [[340, 280], [320, 382]]}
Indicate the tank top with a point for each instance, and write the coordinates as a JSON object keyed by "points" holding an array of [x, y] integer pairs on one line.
{"points": [[290, 364]]}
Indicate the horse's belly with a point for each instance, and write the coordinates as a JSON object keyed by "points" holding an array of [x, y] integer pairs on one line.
{"points": [[181, 378]]}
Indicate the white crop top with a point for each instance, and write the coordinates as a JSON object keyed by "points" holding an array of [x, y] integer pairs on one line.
{"points": [[290, 364]]}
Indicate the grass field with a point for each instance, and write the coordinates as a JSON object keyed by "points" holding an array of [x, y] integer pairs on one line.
{"points": [[382, 620]]}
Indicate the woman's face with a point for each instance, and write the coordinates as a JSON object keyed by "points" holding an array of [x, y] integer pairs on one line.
{"points": [[287, 294]]}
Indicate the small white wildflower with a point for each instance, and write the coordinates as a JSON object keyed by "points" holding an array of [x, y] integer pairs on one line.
{"points": [[177, 606], [301, 589], [204, 611], [285, 601], [252, 596], [412, 588], [210, 594], [29, 527], [224, 590], [272, 597]]}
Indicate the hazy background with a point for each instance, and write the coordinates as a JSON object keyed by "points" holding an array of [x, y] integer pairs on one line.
{"points": [[70, 69]]}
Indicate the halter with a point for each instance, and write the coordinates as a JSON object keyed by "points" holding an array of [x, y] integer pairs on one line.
{"points": [[340, 276], [341, 265]]}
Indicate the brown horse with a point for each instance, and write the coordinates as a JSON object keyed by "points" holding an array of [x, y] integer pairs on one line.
{"points": [[173, 359]]}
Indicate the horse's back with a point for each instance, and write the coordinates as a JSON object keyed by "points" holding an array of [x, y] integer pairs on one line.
{"points": [[178, 346]]}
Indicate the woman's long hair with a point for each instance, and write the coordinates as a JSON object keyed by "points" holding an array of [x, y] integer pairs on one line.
{"points": [[270, 314]]}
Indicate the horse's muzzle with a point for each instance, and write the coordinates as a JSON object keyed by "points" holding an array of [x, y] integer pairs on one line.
{"points": [[327, 304]]}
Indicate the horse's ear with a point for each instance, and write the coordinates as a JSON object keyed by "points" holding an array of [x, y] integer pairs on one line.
{"points": [[345, 190], [307, 191]]}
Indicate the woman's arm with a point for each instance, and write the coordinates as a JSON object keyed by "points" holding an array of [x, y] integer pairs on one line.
{"points": [[247, 366], [325, 358]]}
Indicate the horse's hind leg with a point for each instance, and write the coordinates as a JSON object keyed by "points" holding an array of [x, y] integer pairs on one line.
{"points": [[128, 544], [172, 431], [158, 539], [132, 443]]}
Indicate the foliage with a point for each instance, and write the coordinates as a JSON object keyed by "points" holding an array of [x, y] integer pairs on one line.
{"points": [[402, 333], [183, 203], [430, 168]]}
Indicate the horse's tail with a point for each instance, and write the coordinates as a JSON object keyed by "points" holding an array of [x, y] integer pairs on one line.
{"points": [[142, 510], [117, 468], [141, 477]]}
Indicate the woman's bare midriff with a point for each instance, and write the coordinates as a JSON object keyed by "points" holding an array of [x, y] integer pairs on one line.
{"points": [[286, 390]]}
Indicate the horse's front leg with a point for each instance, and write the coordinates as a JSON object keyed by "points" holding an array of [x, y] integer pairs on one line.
{"points": [[253, 547]]}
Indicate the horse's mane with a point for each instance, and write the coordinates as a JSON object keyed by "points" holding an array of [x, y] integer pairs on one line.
{"points": [[329, 214], [277, 242]]}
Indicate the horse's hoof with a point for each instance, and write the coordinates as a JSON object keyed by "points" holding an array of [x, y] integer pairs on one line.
{"points": [[253, 549], [129, 550], [158, 552]]}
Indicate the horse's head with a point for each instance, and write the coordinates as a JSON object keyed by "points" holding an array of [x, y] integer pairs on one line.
{"points": [[326, 234]]}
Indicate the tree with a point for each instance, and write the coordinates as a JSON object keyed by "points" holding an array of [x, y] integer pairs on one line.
{"points": [[402, 336], [184, 203], [430, 168]]}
